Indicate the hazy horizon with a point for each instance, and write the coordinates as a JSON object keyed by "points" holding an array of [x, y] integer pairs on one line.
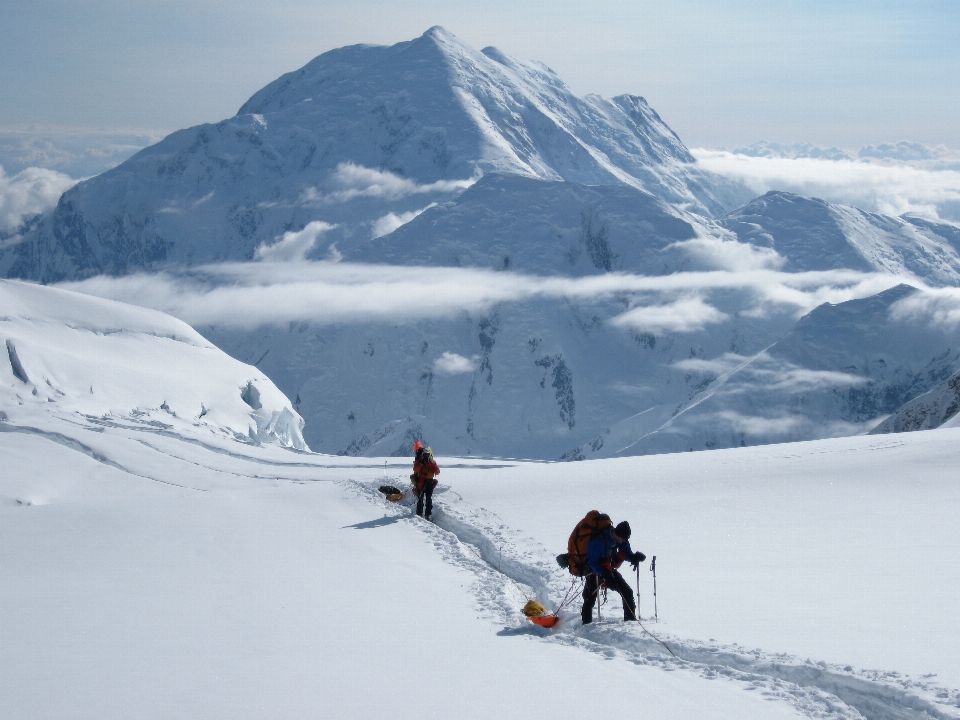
{"points": [[846, 75]]}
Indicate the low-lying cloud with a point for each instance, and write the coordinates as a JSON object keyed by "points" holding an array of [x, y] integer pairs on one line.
{"points": [[891, 188], [391, 221], [294, 246], [75, 151], [935, 306], [350, 181], [452, 364], [770, 372], [29, 192], [730, 254], [684, 315], [247, 295]]}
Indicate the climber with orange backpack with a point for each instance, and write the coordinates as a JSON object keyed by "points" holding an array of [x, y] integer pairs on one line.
{"points": [[595, 551], [423, 479]]}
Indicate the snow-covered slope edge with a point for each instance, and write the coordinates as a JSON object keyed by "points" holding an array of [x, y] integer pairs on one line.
{"points": [[92, 360], [935, 408]]}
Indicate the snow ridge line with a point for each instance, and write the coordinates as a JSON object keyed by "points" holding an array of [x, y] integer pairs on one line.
{"points": [[166, 431], [817, 690], [76, 445]]}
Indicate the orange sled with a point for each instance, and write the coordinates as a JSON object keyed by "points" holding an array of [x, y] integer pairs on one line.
{"points": [[393, 494], [546, 621]]}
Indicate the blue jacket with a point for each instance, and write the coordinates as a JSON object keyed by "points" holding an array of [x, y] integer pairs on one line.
{"points": [[605, 554]]}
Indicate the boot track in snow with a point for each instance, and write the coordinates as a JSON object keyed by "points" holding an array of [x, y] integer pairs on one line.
{"points": [[506, 576]]}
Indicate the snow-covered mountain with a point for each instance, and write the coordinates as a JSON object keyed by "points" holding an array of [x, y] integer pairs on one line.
{"points": [[811, 234], [838, 370], [935, 408], [97, 362], [359, 138], [512, 222]]}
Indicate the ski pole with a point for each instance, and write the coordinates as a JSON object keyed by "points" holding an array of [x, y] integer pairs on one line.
{"points": [[653, 569]]}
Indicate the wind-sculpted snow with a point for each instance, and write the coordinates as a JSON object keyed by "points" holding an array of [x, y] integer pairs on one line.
{"points": [[78, 356]]}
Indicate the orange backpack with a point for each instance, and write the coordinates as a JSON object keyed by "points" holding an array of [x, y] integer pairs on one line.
{"points": [[586, 530]]}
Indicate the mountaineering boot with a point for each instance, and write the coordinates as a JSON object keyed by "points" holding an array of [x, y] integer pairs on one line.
{"points": [[587, 619]]}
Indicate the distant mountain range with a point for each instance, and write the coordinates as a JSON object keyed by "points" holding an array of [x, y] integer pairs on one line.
{"points": [[430, 155]]}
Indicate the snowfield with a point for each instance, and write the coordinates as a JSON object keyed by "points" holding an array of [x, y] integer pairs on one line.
{"points": [[147, 574]]}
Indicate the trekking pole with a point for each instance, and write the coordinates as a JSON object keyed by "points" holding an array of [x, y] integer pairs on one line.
{"points": [[653, 569], [639, 612]]}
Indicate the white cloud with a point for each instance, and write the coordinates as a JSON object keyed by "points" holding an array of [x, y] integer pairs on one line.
{"points": [[294, 246], [934, 306], [391, 221], [715, 366], [771, 372], [452, 364], [252, 294], [684, 315], [883, 187], [784, 425], [730, 254], [29, 192], [75, 151], [350, 181]]}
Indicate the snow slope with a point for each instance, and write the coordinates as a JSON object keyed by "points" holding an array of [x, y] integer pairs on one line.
{"points": [[96, 361], [811, 234], [158, 576], [934, 408]]}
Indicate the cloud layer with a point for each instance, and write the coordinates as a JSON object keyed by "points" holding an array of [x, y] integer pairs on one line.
{"points": [[294, 246], [391, 221], [247, 295], [891, 188], [349, 182], [29, 192]]}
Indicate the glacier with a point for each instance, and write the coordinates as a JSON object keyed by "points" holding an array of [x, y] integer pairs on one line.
{"points": [[93, 362]]}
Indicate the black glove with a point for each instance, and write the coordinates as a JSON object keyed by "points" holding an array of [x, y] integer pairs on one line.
{"points": [[638, 557]]}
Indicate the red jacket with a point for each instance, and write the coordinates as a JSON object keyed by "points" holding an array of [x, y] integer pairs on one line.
{"points": [[425, 472]]}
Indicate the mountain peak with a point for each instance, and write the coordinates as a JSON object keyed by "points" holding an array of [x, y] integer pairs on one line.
{"points": [[440, 33]]}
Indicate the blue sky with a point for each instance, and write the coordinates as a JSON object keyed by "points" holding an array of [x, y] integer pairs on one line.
{"points": [[720, 73]]}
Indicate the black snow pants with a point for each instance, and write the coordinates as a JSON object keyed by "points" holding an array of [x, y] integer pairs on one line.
{"points": [[426, 495], [615, 582]]}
